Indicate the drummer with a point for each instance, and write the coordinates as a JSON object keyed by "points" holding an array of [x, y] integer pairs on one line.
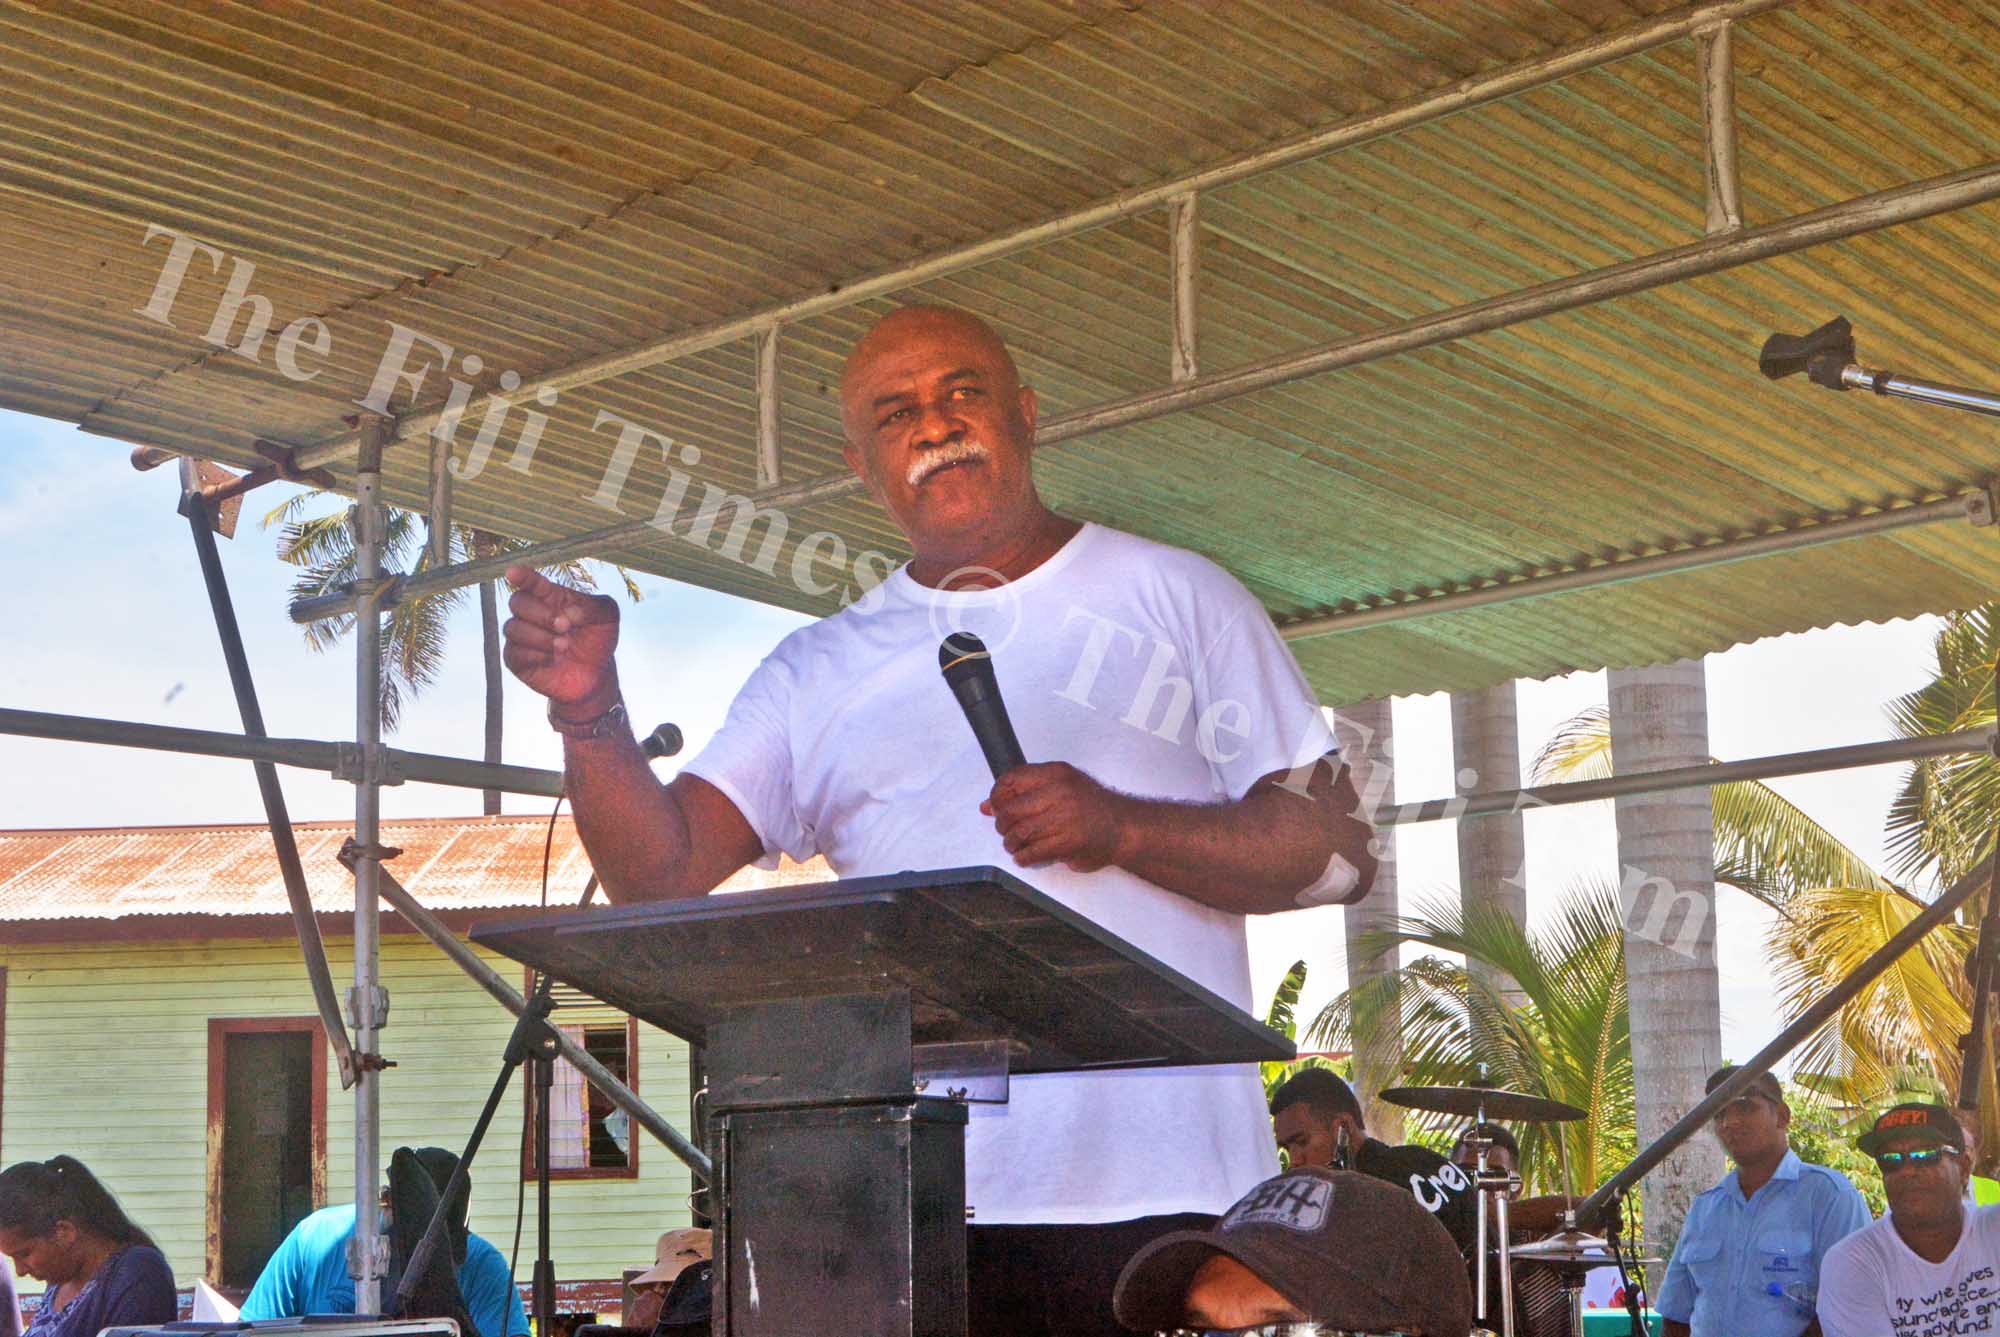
{"points": [[1317, 1121]]}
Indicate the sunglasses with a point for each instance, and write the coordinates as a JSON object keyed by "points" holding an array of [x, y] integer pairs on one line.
{"points": [[1292, 1329], [1896, 1160]]}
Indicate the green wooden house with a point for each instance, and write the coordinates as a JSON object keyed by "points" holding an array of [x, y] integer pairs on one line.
{"points": [[156, 1023]]}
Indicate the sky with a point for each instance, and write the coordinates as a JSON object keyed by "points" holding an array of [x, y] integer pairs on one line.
{"points": [[107, 617]]}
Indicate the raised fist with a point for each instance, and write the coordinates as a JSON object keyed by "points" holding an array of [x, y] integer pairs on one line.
{"points": [[559, 641]]}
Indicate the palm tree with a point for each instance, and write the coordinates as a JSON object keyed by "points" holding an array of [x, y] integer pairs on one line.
{"points": [[1570, 1040], [1834, 909], [413, 640]]}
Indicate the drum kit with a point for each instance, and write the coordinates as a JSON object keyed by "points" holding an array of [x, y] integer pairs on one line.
{"points": [[1570, 1251]]}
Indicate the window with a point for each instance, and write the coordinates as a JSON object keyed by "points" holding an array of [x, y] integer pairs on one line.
{"points": [[589, 1137]]}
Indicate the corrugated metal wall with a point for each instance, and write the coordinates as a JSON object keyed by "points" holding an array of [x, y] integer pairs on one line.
{"points": [[107, 1059]]}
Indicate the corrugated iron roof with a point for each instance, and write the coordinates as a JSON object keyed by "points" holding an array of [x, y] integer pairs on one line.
{"points": [[538, 185], [447, 863]]}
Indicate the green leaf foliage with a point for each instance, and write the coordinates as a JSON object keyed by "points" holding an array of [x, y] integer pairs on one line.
{"points": [[1571, 1040], [1942, 823]]}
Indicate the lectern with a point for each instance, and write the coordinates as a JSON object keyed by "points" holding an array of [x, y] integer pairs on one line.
{"points": [[845, 1026]]}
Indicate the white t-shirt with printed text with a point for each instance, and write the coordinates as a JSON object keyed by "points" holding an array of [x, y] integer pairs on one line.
{"points": [[1145, 666], [1872, 1284]]}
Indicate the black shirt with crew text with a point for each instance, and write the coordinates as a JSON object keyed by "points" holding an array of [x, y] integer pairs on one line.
{"points": [[1440, 1188]]}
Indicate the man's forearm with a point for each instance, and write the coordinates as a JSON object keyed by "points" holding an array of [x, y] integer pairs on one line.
{"points": [[1252, 856], [634, 830]]}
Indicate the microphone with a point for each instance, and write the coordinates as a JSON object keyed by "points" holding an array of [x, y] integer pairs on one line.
{"points": [[968, 671]]}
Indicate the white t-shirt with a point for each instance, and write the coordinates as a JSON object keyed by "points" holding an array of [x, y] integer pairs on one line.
{"points": [[1150, 669], [1873, 1285]]}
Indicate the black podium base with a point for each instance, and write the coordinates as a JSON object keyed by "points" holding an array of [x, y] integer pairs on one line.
{"points": [[858, 1225]]}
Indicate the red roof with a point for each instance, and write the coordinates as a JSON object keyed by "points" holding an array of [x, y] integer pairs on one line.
{"points": [[448, 863]]}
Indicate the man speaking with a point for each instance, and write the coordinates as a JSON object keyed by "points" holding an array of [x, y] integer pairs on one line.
{"points": [[1179, 777]]}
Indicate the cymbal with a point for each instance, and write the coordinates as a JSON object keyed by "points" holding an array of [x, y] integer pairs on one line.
{"points": [[1472, 1101], [1573, 1248]]}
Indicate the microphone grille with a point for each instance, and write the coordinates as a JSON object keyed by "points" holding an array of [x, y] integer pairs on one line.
{"points": [[959, 647]]}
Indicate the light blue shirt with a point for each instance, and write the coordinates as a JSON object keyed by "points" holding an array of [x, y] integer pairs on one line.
{"points": [[1750, 1268], [308, 1275]]}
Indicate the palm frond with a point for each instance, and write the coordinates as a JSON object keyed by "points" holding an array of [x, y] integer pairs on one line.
{"points": [[1580, 749], [1570, 1041], [1942, 821], [1914, 1012], [1769, 847]]}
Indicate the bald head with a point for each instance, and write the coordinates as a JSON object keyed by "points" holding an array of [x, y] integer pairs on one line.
{"points": [[915, 327]]}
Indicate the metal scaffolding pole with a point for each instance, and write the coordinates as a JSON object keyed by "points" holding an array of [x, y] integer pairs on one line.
{"points": [[340, 760], [1964, 742], [599, 1076], [368, 1261], [1867, 213], [283, 843], [1716, 69], [1594, 1208]]}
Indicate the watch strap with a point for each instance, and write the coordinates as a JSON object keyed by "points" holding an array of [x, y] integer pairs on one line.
{"points": [[607, 723]]}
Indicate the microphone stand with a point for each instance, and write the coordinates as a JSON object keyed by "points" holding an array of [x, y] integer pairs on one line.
{"points": [[1827, 357], [532, 1038], [1614, 1229]]}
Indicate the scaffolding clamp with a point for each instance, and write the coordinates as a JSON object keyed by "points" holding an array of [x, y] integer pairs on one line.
{"points": [[351, 849], [380, 993], [1979, 505], [380, 1250], [376, 764], [284, 463]]}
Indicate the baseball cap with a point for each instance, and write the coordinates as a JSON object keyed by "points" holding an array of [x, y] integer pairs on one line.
{"points": [[1349, 1251], [1933, 1123], [675, 1252], [1763, 1084], [688, 1308]]}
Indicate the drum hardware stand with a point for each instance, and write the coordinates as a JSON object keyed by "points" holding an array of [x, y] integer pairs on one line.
{"points": [[1496, 1190], [1483, 1103]]}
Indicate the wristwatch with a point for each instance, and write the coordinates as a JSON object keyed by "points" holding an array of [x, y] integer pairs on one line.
{"points": [[605, 724]]}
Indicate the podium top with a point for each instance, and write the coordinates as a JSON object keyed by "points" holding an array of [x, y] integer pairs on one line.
{"points": [[983, 955]]}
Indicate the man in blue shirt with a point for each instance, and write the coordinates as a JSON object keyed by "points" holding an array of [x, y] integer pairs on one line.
{"points": [[308, 1273], [1747, 1263]]}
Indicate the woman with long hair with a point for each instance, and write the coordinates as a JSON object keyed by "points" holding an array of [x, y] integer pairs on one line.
{"points": [[58, 1223]]}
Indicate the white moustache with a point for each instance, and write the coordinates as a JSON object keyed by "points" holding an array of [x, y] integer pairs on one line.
{"points": [[931, 461]]}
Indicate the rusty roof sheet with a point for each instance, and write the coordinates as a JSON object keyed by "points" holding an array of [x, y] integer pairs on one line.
{"points": [[447, 863], [537, 185]]}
